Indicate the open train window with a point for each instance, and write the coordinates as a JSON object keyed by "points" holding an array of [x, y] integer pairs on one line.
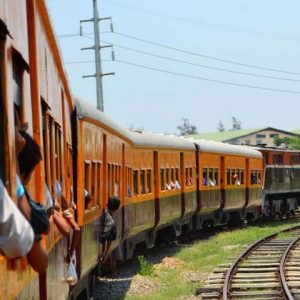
{"points": [[242, 176], [149, 186], [167, 176], [94, 188], [216, 176], [191, 180], [135, 181], [204, 176], [228, 177], [142, 184], [295, 159], [177, 174], [162, 179], [278, 159], [87, 183]]}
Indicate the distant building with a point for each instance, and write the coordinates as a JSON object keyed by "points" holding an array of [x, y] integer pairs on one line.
{"points": [[253, 137]]}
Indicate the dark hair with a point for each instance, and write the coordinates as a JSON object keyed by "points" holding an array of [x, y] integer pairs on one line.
{"points": [[30, 155], [113, 203]]}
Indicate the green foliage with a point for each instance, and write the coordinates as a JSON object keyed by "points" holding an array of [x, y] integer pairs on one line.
{"points": [[290, 142], [236, 124], [145, 268], [221, 127], [187, 128]]}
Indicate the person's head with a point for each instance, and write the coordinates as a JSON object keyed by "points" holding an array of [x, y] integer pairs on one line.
{"points": [[29, 156], [113, 203]]}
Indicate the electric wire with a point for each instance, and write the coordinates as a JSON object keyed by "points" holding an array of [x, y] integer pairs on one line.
{"points": [[201, 65], [203, 55], [207, 79], [217, 26]]}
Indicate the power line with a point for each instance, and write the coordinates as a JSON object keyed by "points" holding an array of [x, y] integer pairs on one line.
{"points": [[83, 61], [204, 56], [201, 65], [71, 35], [217, 26], [208, 79]]}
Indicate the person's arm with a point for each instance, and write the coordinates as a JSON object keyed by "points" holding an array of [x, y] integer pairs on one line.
{"points": [[16, 234], [38, 257], [76, 235], [61, 223]]}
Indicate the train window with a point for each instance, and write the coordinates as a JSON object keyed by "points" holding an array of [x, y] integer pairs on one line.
{"points": [[211, 177], [130, 181], [242, 176], [228, 177], [94, 182], [191, 177], [258, 177], [142, 185], [168, 171], [177, 174], [253, 177], [52, 154], [162, 179], [58, 153], [278, 159], [295, 159], [186, 176], [280, 174], [204, 176], [233, 176], [98, 183], [149, 187], [112, 179], [87, 177], [135, 181], [17, 82], [172, 174], [216, 176]]}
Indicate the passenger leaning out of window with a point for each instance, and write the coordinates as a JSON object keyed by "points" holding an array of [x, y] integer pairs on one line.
{"points": [[16, 234], [28, 156]]}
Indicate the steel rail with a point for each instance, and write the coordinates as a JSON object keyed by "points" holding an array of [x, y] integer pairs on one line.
{"points": [[229, 273], [284, 284]]}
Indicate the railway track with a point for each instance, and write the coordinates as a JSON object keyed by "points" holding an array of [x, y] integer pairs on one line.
{"points": [[267, 270]]}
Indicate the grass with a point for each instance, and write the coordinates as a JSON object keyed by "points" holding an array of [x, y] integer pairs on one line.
{"points": [[202, 257], [145, 267]]}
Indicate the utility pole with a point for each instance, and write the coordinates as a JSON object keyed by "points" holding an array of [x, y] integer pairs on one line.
{"points": [[97, 47]]}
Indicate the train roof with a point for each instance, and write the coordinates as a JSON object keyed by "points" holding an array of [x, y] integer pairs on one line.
{"points": [[274, 149], [218, 147], [84, 109], [141, 139]]}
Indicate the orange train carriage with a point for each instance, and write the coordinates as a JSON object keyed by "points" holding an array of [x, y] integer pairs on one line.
{"points": [[33, 82], [84, 150]]}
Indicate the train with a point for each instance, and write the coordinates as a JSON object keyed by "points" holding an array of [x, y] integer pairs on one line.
{"points": [[168, 185]]}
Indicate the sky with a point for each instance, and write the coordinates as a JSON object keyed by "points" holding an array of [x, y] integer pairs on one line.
{"points": [[204, 44]]}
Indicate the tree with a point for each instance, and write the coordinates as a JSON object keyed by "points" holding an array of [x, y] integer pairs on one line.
{"points": [[289, 142], [220, 126], [236, 124], [187, 128]]}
